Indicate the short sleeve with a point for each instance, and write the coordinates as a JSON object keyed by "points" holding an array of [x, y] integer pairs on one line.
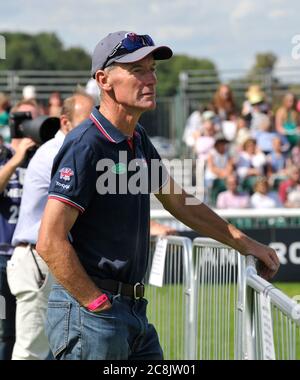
{"points": [[74, 175]]}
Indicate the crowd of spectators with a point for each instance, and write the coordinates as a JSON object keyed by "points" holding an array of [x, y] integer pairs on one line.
{"points": [[251, 155]]}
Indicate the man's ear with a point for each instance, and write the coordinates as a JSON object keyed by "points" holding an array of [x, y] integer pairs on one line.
{"points": [[65, 124], [103, 79]]}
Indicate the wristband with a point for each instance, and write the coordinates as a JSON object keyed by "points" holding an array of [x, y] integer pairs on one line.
{"points": [[97, 302]]}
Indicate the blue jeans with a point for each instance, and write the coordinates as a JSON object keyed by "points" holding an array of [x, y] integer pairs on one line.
{"points": [[123, 332], [7, 325]]}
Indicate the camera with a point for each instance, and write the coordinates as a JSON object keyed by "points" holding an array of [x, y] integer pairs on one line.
{"points": [[40, 129]]}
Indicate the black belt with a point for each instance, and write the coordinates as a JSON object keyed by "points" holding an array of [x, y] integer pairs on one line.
{"points": [[24, 244], [116, 287]]}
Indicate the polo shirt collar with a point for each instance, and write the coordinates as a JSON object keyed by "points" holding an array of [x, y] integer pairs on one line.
{"points": [[107, 129]]}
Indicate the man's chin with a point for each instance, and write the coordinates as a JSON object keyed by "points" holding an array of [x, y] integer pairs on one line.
{"points": [[149, 106]]}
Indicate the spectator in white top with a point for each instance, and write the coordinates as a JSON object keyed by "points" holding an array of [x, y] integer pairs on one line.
{"points": [[193, 124], [263, 197], [219, 162], [250, 163], [205, 140]]}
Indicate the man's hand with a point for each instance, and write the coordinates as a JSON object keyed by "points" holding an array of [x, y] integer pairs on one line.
{"points": [[268, 263], [9, 168], [25, 144]]}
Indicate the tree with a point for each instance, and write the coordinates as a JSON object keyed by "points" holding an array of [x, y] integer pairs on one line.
{"points": [[264, 63], [168, 72], [42, 51], [45, 51]]}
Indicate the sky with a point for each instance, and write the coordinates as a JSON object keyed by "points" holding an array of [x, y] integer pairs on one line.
{"points": [[229, 32]]}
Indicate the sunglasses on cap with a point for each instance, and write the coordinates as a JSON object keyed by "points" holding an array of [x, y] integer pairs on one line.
{"points": [[129, 44]]}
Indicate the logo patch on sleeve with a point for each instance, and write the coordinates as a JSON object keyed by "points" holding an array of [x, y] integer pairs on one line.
{"points": [[66, 174]]}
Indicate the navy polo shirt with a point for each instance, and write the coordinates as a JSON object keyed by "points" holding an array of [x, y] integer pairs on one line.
{"points": [[91, 172]]}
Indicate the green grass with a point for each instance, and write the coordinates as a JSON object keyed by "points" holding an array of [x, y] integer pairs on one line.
{"points": [[291, 289], [167, 311]]}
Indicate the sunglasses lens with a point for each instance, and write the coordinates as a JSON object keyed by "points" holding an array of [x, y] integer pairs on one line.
{"points": [[130, 43], [133, 42]]}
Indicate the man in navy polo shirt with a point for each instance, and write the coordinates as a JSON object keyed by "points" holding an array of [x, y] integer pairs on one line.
{"points": [[95, 230]]}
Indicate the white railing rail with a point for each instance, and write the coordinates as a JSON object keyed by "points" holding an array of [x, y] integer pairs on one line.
{"points": [[238, 213], [214, 305], [284, 303]]}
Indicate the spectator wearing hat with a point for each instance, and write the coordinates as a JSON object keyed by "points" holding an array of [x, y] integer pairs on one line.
{"points": [[254, 96], [258, 109]]}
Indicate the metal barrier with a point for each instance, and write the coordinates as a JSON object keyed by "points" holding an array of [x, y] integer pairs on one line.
{"points": [[169, 306], [216, 277], [213, 305], [274, 319]]}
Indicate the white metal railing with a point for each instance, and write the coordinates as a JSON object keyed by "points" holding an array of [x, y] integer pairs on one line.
{"points": [[162, 214], [170, 305], [214, 305], [215, 299], [275, 216], [275, 319]]}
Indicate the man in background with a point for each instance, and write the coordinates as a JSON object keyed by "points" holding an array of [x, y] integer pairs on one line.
{"points": [[12, 171], [28, 275]]}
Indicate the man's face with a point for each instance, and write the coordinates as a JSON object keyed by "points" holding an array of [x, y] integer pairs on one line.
{"points": [[133, 84], [232, 183], [29, 108]]}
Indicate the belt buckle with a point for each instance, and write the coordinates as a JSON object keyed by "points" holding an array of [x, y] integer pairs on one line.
{"points": [[135, 289]]}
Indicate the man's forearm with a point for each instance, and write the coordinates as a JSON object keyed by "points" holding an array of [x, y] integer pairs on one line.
{"points": [[65, 266], [205, 221]]}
